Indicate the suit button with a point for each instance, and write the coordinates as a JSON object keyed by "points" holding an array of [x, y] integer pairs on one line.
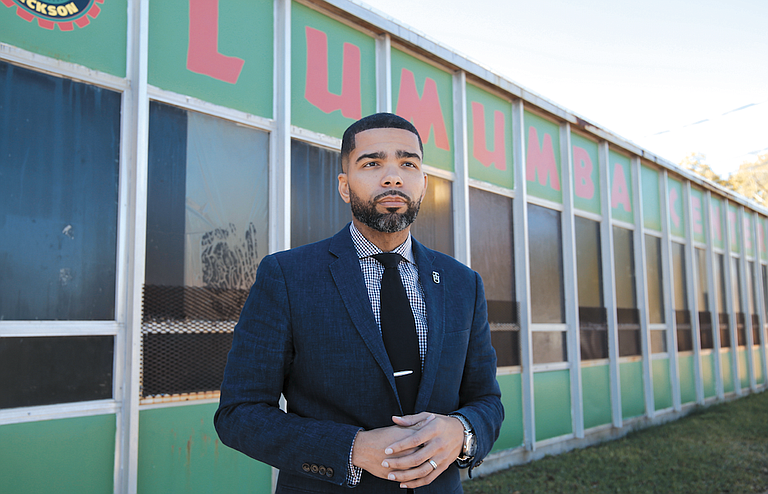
{"points": [[314, 468], [321, 470], [329, 472], [305, 467]]}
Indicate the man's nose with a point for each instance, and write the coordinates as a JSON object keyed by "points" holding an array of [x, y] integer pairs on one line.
{"points": [[392, 176]]}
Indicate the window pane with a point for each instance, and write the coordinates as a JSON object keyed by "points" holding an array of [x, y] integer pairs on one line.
{"points": [[60, 369], [653, 267], [492, 257], [702, 286], [207, 230], [434, 225], [549, 347], [592, 316], [624, 266], [678, 276], [546, 265], [317, 210], [725, 331], [705, 329], [741, 328], [58, 197], [720, 283], [658, 341]]}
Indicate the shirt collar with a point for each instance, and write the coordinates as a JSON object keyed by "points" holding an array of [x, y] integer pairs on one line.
{"points": [[366, 248]]}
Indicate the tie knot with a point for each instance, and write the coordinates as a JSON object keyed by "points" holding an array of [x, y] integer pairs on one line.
{"points": [[389, 259]]}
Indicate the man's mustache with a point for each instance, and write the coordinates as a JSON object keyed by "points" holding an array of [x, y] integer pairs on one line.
{"points": [[392, 193]]}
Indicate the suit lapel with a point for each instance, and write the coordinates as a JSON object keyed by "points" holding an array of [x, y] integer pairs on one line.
{"points": [[349, 280], [434, 298]]}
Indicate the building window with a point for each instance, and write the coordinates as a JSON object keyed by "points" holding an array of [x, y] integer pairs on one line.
{"points": [[626, 302], [752, 303], [58, 197], [207, 230], [722, 306], [593, 324], [493, 258], [741, 328], [655, 292], [682, 315], [546, 273], [702, 294]]}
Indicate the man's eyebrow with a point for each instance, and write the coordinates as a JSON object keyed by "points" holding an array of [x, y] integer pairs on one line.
{"points": [[378, 155], [407, 154]]}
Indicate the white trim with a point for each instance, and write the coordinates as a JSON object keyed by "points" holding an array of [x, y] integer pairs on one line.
{"points": [[609, 284], [587, 215], [523, 275], [551, 366], [462, 249], [58, 411], [60, 68], [549, 327], [507, 370], [191, 103], [384, 73], [537, 201], [25, 329], [315, 138], [641, 287], [595, 363], [439, 173], [178, 403], [492, 188], [745, 294]]}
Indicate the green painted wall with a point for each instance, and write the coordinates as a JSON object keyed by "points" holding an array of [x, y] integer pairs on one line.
{"points": [[542, 158], [511, 435], [687, 378], [662, 386], [622, 207], [334, 119], [743, 369], [63, 456], [179, 452], [725, 366], [649, 183], [758, 360], [552, 403], [632, 394], [100, 45], [436, 133], [596, 395], [586, 174], [245, 33], [708, 375], [485, 151]]}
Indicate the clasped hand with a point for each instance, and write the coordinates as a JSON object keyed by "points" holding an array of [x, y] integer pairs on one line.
{"points": [[402, 452]]}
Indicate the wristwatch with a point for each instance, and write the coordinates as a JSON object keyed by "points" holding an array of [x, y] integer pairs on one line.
{"points": [[470, 443]]}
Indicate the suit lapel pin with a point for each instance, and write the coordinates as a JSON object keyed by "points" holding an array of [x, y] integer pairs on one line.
{"points": [[436, 277]]}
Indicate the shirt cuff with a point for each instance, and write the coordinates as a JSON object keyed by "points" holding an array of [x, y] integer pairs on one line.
{"points": [[353, 473]]}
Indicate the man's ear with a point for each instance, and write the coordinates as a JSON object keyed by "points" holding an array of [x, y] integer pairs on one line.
{"points": [[426, 183], [343, 187]]}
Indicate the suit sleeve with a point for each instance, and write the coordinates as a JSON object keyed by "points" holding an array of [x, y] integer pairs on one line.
{"points": [[249, 418], [479, 394]]}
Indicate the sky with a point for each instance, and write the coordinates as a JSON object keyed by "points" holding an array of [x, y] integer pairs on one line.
{"points": [[672, 76]]}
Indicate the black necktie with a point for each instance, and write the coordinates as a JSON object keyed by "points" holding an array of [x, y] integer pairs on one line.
{"points": [[398, 329]]}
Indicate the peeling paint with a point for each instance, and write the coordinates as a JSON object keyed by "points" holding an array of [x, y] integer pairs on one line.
{"points": [[68, 231], [65, 276]]}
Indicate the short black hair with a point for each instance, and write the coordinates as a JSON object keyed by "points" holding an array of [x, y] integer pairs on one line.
{"points": [[375, 121]]}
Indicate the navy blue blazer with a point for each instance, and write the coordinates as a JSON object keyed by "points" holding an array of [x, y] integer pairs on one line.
{"points": [[307, 331]]}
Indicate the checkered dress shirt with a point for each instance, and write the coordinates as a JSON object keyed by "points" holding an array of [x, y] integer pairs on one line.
{"points": [[372, 272]]}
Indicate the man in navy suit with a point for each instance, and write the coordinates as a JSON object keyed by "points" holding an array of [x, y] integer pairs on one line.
{"points": [[311, 330]]}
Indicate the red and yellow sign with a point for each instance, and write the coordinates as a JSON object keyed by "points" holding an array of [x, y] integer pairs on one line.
{"points": [[63, 13]]}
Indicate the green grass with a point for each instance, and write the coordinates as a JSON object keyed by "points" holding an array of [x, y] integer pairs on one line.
{"points": [[722, 448]]}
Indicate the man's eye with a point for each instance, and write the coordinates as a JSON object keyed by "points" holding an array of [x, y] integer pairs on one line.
{"points": [[370, 164], [409, 163]]}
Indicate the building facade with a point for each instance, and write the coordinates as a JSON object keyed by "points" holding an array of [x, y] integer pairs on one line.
{"points": [[151, 153]]}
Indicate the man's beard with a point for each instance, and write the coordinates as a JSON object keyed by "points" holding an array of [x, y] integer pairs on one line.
{"points": [[390, 222]]}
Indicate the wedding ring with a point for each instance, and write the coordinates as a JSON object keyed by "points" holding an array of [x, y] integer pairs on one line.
{"points": [[434, 465]]}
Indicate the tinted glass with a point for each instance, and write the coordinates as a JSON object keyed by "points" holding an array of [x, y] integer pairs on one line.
{"points": [[546, 265], [592, 315], [624, 266], [702, 284], [60, 153], [50, 370], [207, 230], [653, 269], [493, 258], [317, 210], [434, 225]]}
